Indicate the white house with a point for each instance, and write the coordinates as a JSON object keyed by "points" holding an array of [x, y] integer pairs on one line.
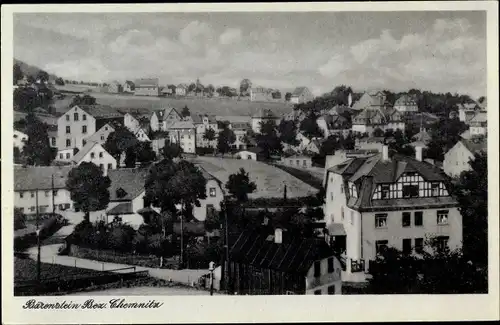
{"points": [[215, 195], [406, 103], [162, 119], [181, 90], [128, 87], [45, 184], [94, 152], [141, 135], [183, 133], [456, 160], [301, 95], [204, 122], [478, 125], [249, 154], [20, 139], [263, 115], [102, 134]]}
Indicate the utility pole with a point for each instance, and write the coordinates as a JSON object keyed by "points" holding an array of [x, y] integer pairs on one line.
{"points": [[228, 283], [38, 262], [53, 197], [182, 234]]}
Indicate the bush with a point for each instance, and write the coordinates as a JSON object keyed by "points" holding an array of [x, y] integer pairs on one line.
{"points": [[120, 238], [19, 219]]}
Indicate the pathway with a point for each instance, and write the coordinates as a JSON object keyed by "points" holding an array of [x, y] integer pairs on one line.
{"points": [[49, 255]]}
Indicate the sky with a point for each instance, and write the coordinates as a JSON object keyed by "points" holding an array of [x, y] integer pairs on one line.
{"points": [[437, 51]]}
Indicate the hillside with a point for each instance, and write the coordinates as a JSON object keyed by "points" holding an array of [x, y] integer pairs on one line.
{"points": [[31, 70]]}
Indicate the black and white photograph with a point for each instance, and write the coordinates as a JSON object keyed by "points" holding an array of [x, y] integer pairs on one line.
{"points": [[233, 153]]}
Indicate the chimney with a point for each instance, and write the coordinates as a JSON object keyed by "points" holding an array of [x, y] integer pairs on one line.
{"points": [[418, 153], [385, 152], [278, 236]]}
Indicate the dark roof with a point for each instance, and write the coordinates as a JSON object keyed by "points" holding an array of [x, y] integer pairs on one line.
{"points": [[122, 208], [256, 247], [406, 99], [31, 178], [101, 111], [198, 118], [475, 145], [240, 126], [130, 180], [298, 91], [265, 113]]}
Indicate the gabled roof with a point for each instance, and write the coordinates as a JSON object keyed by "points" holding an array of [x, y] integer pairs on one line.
{"points": [[130, 83], [31, 178], [198, 118], [121, 208], [101, 111], [146, 82], [182, 125], [369, 99], [406, 100], [475, 145], [86, 149], [479, 117], [184, 86], [162, 113], [130, 180], [296, 255], [299, 91], [96, 136]]}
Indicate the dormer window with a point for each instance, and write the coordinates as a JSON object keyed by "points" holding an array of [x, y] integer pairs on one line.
{"points": [[120, 193]]}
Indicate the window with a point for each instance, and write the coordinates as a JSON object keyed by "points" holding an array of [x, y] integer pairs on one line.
{"points": [[331, 196], [406, 219], [53, 141], [68, 155], [84, 142], [442, 217], [84, 117], [21, 194], [381, 220], [75, 116], [102, 137], [384, 194], [32, 194], [435, 189], [68, 143], [67, 117], [213, 192], [68, 129], [304, 163], [342, 212], [419, 220], [92, 155], [406, 246], [341, 188], [84, 129], [442, 242], [410, 191], [380, 246], [317, 292], [32, 208], [297, 162], [101, 154], [331, 290], [110, 166], [419, 245], [317, 269], [47, 193], [22, 210], [106, 128], [55, 193], [330, 265], [101, 166]]}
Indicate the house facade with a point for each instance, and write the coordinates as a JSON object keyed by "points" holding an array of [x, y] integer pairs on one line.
{"points": [[147, 87], [204, 122], [128, 87], [297, 161], [74, 127], [457, 159], [478, 125], [162, 119], [274, 263], [102, 134], [115, 87], [94, 152], [240, 130], [406, 103], [46, 184], [370, 119], [260, 94], [377, 201], [183, 133], [181, 90], [215, 195], [333, 124], [263, 115], [372, 99], [301, 95]]}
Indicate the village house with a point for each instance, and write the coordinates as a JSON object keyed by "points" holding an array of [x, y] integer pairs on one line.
{"points": [[373, 100], [262, 116], [478, 125], [467, 111], [147, 87], [254, 153], [406, 104], [45, 185], [370, 143], [215, 196], [52, 135], [240, 130], [115, 87], [333, 124], [128, 87], [102, 134], [184, 134], [457, 159], [423, 121], [301, 95], [377, 201], [263, 262], [260, 94], [126, 195], [314, 146], [370, 119], [20, 139], [166, 92], [181, 90], [94, 152], [204, 122], [162, 119], [297, 161], [80, 122], [421, 139]]}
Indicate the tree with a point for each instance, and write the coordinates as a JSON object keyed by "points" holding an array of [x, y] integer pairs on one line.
{"points": [[288, 95], [144, 153], [310, 128], [239, 185], [130, 157], [43, 76], [89, 188], [209, 135], [172, 88], [268, 139], [348, 142], [288, 132], [225, 139], [276, 94], [119, 141], [185, 112], [18, 73], [444, 135], [210, 89], [59, 81], [245, 85], [83, 100], [192, 87], [378, 132], [471, 192], [330, 145], [481, 99], [171, 150], [340, 94], [37, 150], [199, 87], [19, 219], [17, 155]]}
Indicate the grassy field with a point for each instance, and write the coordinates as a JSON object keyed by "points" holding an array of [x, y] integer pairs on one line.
{"points": [[311, 177], [270, 180], [25, 270], [222, 107]]}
